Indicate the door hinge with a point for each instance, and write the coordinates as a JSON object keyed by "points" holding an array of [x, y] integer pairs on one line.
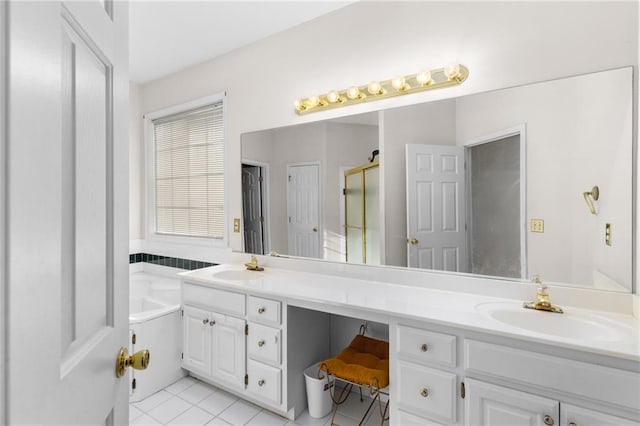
{"points": [[133, 384], [344, 191], [246, 329], [133, 339], [463, 391], [289, 178], [262, 219], [260, 179], [289, 219], [182, 312], [246, 379], [181, 355]]}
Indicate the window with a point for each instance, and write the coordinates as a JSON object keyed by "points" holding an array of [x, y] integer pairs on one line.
{"points": [[187, 168]]}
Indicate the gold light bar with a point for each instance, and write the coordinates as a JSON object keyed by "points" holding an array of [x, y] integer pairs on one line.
{"points": [[448, 76]]}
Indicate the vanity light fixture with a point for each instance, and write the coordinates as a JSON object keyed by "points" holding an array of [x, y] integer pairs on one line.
{"points": [[451, 75]]}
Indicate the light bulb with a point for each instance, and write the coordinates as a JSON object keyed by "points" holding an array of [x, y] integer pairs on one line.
{"points": [[298, 105], [374, 88], [333, 96], [353, 92], [399, 83], [452, 71], [423, 78], [314, 101]]}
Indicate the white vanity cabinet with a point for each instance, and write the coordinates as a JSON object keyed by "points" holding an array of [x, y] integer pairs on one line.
{"points": [[448, 376], [214, 342]]}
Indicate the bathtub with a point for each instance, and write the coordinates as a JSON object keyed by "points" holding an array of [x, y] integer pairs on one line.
{"points": [[154, 319]]}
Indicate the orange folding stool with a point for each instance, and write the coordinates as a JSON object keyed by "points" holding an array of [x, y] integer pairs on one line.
{"points": [[364, 363]]}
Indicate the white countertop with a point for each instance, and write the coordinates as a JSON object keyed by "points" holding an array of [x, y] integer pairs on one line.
{"points": [[451, 308]]}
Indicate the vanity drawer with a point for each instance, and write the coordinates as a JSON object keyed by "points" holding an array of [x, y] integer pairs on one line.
{"points": [[263, 343], [226, 302], [264, 382], [426, 347], [264, 311], [427, 391]]}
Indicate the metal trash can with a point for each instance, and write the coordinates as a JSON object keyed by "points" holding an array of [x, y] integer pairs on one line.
{"points": [[318, 391]]}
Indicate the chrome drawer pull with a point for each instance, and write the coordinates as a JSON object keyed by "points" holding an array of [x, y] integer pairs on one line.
{"points": [[261, 343], [261, 382], [424, 392], [548, 420], [424, 347], [572, 424], [261, 310]]}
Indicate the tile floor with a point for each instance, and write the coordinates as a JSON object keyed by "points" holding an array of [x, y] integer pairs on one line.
{"points": [[192, 402]]}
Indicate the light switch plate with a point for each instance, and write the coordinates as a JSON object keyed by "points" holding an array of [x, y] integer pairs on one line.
{"points": [[236, 224], [537, 225]]}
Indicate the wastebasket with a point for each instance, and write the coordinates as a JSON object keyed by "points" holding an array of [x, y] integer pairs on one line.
{"points": [[318, 391]]}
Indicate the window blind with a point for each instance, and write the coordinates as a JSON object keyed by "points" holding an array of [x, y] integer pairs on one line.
{"points": [[189, 173]]}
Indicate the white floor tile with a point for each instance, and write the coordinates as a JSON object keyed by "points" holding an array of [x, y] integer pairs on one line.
{"points": [[265, 418], [134, 413], [197, 392], [305, 419], [239, 413], [170, 409], [145, 420], [342, 420], [153, 401], [218, 422], [218, 402], [194, 417], [181, 385]]}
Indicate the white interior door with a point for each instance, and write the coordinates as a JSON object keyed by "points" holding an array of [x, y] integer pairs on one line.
{"points": [[303, 209], [252, 209], [67, 245], [436, 234]]}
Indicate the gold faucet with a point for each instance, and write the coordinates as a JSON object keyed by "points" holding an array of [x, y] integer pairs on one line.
{"points": [[253, 265], [542, 302]]}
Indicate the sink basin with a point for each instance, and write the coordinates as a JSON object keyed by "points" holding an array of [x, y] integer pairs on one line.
{"points": [[571, 325], [237, 275]]}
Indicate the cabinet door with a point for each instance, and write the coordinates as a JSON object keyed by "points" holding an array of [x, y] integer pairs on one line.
{"points": [[228, 349], [197, 340], [571, 415], [491, 405]]}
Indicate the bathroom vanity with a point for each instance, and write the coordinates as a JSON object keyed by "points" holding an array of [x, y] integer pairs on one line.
{"points": [[456, 357]]}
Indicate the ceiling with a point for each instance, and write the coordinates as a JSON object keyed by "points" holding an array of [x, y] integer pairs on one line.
{"points": [[167, 36]]}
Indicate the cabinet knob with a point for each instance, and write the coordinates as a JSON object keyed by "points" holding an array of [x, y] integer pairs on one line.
{"points": [[261, 310], [548, 420], [261, 343], [205, 321], [573, 424], [424, 392], [424, 347], [261, 382], [212, 323]]}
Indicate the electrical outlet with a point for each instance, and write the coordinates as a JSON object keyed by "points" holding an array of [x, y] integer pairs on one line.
{"points": [[236, 224], [537, 225]]}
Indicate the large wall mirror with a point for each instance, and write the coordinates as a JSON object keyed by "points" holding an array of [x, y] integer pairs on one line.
{"points": [[527, 181]]}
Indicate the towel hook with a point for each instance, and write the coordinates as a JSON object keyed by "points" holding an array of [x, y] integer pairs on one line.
{"points": [[588, 196]]}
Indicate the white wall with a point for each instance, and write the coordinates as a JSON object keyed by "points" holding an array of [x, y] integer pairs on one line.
{"points": [[502, 43], [136, 165]]}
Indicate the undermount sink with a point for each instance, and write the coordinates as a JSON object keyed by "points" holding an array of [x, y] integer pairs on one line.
{"points": [[237, 275], [572, 325]]}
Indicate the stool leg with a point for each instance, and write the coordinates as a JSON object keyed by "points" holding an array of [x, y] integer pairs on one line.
{"points": [[364, 416], [340, 400]]}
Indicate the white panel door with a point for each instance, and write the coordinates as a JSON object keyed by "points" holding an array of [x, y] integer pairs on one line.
{"points": [[228, 349], [436, 234], [252, 209], [578, 416], [67, 245], [491, 405], [196, 327], [303, 209]]}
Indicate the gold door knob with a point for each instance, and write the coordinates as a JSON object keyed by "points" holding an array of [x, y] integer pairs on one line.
{"points": [[315, 229], [424, 392], [424, 347], [414, 241], [548, 420], [261, 382], [261, 343], [261, 310], [139, 361]]}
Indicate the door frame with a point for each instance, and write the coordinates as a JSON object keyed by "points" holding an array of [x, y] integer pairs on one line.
{"points": [[320, 211], [3, 207], [518, 130], [266, 211]]}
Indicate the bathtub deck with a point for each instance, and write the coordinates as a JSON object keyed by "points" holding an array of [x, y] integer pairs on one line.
{"points": [[192, 402]]}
